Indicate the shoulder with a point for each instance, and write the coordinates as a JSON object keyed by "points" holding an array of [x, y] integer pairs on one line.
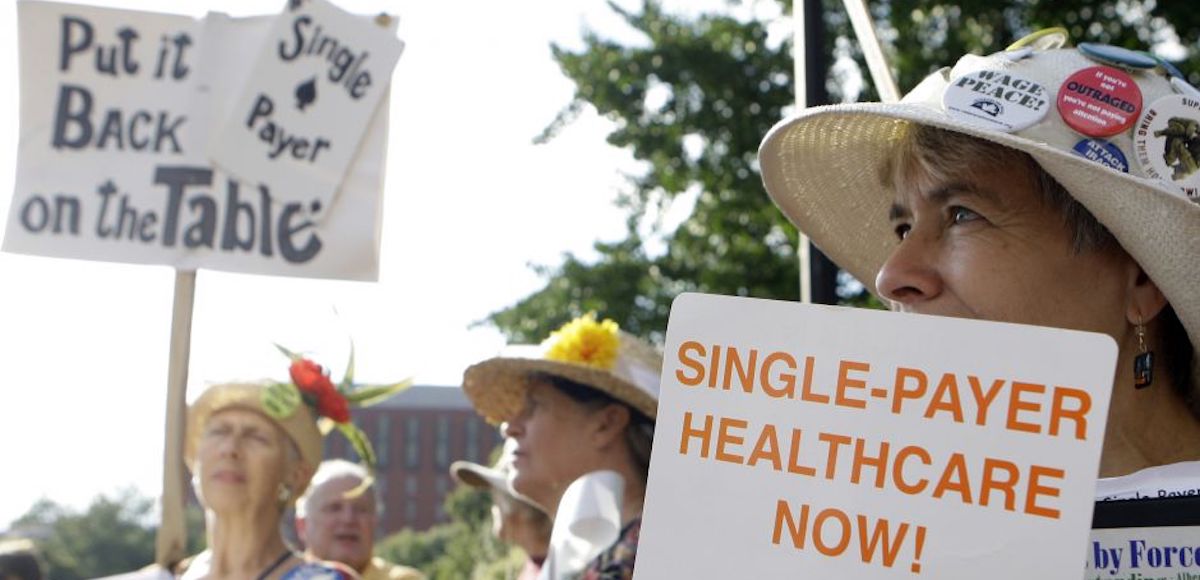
{"points": [[616, 563], [381, 569]]}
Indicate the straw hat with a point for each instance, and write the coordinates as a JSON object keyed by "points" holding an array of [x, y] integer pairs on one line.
{"points": [[300, 425], [822, 166], [596, 354]]}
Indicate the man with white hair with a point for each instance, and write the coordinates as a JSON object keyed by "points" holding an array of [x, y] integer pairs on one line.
{"points": [[336, 521]]}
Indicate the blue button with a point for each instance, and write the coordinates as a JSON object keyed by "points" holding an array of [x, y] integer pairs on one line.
{"points": [[1115, 55], [1102, 152]]}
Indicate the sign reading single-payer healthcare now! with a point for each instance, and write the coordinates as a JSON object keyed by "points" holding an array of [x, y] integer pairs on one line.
{"points": [[820, 442], [117, 107]]}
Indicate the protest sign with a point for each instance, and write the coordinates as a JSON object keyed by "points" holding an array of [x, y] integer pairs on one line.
{"points": [[1170, 553], [301, 114], [115, 111], [799, 440]]}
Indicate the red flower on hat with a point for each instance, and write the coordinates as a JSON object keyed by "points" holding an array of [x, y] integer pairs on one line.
{"points": [[332, 404], [310, 378]]}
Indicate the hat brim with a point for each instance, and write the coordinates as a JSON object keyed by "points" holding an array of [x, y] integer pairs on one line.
{"points": [[300, 426], [497, 386], [822, 168]]}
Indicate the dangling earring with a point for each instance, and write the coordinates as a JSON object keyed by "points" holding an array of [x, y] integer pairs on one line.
{"points": [[1143, 362], [285, 494]]}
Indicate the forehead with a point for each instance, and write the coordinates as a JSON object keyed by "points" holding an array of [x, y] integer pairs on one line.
{"points": [[336, 488], [243, 418]]}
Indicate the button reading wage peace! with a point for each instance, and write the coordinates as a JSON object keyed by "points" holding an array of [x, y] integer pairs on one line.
{"points": [[996, 100], [1167, 142], [1099, 101]]}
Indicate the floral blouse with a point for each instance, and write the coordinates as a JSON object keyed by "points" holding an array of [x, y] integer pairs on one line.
{"points": [[616, 563]]}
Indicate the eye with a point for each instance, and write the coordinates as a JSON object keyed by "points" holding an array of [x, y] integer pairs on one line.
{"points": [[960, 215], [902, 230]]}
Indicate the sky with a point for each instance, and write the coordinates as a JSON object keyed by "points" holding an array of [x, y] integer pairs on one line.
{"points": [[469, 203]]}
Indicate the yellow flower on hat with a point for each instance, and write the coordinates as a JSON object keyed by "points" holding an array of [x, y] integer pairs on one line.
{"points": [[585, 341]]}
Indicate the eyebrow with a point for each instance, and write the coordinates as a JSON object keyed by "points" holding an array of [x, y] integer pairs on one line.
{"points": [[941, 194]]}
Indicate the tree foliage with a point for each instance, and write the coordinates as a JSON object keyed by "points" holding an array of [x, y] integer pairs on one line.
{"points": [[112, 536], [463, 548], [692, 100]]}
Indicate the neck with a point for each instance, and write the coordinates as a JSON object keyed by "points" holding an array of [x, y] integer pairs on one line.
{"points": [[631, 501], [243, 543], [1146, 427]]}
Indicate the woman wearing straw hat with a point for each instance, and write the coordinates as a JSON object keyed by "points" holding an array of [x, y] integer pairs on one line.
{"points": [[580, 406], [252, 448], [515, 519], [1040, 185]]}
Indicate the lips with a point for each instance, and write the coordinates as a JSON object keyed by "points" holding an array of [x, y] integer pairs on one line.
{"points": [[229, 476]]}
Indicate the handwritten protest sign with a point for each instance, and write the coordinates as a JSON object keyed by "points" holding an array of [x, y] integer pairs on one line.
{"points": [[116, 107], [808, 441], [301, 114]]}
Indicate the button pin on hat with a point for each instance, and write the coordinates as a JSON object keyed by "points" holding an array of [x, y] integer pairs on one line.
{"points": [[1099, 101], [1102, 152], [1117, 56], [996, 99], [1167, 142], [1044, 39]]}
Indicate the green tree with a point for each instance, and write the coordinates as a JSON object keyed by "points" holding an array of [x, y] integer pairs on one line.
{"points": [[462, 548], [114, 535], [692, 101]]}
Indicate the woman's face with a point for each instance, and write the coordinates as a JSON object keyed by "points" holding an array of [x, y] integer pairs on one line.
{"points": [[988, 247], [241, 460], [553, 444]]}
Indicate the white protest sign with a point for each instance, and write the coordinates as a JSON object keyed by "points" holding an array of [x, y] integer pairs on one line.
{"points": [[316, 83], [115, 111], [810, 441], [1144, 553]]}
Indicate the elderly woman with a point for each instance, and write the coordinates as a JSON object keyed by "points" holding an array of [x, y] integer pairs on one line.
{"points": [[252, 449], [249, 461], [1040, 185], [581, 404]]}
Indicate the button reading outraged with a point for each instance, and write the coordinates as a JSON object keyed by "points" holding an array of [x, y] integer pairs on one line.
{"points": [[1099, 101]]}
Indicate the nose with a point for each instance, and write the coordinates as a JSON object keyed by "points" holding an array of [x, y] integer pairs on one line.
{"points": [[515, 426], [910, 275]]}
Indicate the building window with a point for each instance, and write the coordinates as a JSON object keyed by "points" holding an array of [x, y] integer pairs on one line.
{"points": [[443, 442], [410, 485], [410, 512], [412, 443], [382, 432], [443, 486], [473, 439]]}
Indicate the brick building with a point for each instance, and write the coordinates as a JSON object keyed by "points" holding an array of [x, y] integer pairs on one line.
{"points": [[417, 435]]}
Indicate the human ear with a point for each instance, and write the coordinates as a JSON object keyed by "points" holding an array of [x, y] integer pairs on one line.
{"points": [[1145, 299], [610, 424]]}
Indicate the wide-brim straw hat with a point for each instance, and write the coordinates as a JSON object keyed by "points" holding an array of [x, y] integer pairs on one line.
{"points": [[823, 168], [300, 426], [497, 386]]}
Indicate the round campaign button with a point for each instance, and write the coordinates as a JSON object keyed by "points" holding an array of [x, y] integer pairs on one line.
{"points": [[1102, 152], [1117, 56], [1166, 142], [996, 99], [1099, 101], [1044, 39]]}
